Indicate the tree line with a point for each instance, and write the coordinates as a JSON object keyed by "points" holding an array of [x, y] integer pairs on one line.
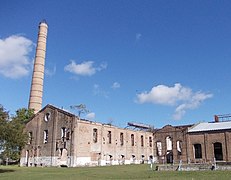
{"points": [[12, 135]]}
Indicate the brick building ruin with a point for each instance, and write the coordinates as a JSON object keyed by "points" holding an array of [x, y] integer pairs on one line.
{"points": [[59, 138]]}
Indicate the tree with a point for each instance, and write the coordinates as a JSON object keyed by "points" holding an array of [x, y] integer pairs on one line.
{"points": [[14, 137], [82, 109], [4, 117]]}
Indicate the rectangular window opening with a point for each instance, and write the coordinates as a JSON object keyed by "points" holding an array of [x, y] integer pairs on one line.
{"points": [[109, 137], [150, 141], [63, 133], [132, 140], [142, 140], [95, 135], [121, 139], [197, 151], [30, 138]]}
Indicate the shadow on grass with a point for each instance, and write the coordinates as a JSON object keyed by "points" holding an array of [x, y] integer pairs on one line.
{"points": [[6, 170]]}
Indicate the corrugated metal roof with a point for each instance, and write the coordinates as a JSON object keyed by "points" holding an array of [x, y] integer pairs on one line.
{"points": [[210, 126]]}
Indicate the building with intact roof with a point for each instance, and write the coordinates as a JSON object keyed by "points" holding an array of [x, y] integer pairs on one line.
{"points": [[209, 141], [199, 143]]}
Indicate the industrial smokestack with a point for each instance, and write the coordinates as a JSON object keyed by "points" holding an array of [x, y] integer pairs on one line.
{"points": [[36, 91], [216, 118]]}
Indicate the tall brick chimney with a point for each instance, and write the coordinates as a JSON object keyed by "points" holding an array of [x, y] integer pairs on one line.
{"points": [[36, 92], [216, 118]]}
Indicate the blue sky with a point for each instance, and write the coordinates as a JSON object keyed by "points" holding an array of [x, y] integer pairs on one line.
{"points": [[155, 62]]}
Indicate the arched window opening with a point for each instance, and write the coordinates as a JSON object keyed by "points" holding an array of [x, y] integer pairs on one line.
{"points": [[169, 153], [142, 159], [45, 136], [179, 147], [133, 156], [158, 148]]}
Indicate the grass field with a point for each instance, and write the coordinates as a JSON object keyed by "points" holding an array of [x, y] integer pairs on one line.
{"points": [[108, 172]]}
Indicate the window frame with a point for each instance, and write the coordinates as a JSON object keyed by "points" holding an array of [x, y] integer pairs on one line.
{"points": [[197, 151]]}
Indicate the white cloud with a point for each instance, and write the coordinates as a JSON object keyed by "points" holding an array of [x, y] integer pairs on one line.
{"points": [[98, 91], [165, 95], [90, 116], [14, 56], [182, 98], [115, 85], [50, 72], [195, 100], [85, 68], [102, 66], [138, 36]]}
